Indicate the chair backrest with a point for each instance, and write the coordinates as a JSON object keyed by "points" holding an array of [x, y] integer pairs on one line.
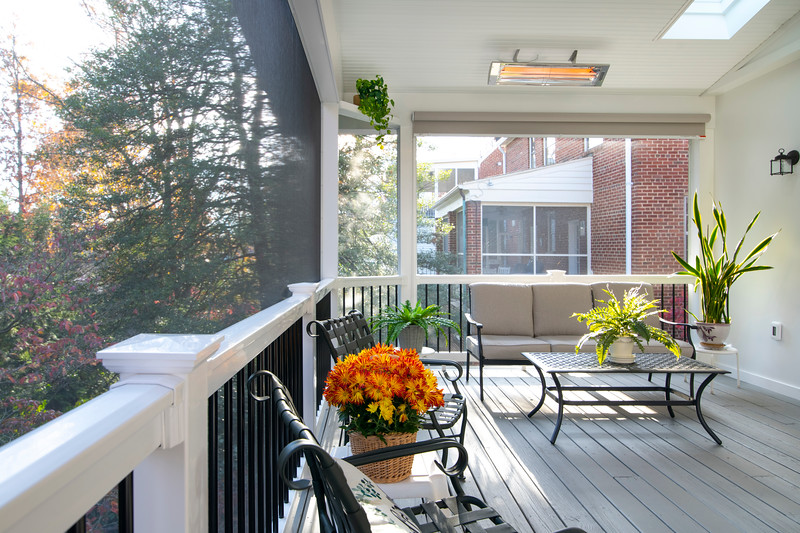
{"points": [[347, 500], [337, 507], [343, 335]]}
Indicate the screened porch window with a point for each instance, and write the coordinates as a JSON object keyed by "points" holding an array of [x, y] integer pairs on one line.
{"points": [[534, 239]]}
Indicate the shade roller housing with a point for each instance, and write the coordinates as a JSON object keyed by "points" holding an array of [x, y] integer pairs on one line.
{"points": [[566, 124]]}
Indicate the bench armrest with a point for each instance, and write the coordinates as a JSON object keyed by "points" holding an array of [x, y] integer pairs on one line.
{"points": [[473, 322], [446, 363]]}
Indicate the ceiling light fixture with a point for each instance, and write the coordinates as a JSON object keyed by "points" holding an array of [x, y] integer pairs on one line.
{"points": [[561, 74]]}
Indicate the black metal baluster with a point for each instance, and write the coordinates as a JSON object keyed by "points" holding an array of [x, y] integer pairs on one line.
{"points": [[241, 493], [213, 462], [251, 456], [227, 437], [125, 504]]}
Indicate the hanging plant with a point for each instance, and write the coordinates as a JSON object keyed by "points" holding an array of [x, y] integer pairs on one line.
{"points": [[375, 103]]}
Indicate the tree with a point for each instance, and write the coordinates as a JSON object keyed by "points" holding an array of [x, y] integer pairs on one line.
{"points": [[367, 207], [49, 332], [432, 258], [178, 136], [23, 124]]}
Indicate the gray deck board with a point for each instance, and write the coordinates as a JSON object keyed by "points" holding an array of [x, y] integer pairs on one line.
{"points": [[616, 469]]}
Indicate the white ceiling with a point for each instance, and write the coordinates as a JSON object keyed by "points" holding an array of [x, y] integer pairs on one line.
{"points": [[446, 46]]}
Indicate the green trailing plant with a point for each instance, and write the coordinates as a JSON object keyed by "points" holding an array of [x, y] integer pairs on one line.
{"points": [[396, 318], [375, 104], [619, 319], [715, 273]]}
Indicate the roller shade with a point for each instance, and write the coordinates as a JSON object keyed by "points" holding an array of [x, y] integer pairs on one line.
{"points": [[566, 124]]}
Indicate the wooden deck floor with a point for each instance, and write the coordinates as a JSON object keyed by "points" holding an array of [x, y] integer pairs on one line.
{"points": [[636, 469]]}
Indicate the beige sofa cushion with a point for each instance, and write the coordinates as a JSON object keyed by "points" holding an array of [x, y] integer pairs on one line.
{"points": [[618, 289], [503, 308], [567, 343], [506, 346], [553, 305]]}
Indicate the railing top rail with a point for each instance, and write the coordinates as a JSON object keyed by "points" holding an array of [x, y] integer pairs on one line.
{"points": [[51, 476], [247, 338]]}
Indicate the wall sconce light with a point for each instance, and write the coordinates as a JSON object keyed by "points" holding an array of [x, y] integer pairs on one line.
{"points": [[784, 163]]}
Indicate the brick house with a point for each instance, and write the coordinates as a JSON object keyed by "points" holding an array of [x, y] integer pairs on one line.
{"points": [[587, 206]]}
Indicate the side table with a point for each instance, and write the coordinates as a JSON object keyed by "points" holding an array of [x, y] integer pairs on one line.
{"points": [[426, 480], [727, 350]]}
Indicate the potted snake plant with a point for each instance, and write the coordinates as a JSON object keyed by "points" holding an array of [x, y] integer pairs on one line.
{"points": [[715, 271]]}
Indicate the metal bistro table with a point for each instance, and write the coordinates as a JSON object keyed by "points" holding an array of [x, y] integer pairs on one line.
{"points": [[555, 363]]}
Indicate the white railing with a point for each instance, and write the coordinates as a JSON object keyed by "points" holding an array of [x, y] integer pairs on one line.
{"points": [[153, 421]]}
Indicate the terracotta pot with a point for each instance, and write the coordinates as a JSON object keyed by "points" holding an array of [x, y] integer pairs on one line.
{"points": [[391, 470], [621, 351], [713, 336]]}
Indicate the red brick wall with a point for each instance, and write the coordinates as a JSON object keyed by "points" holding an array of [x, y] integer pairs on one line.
{"points": [[568, 149], [517, 155], [489, 167], [452, 237], [473, 237], [608, 208], [660, 172]]}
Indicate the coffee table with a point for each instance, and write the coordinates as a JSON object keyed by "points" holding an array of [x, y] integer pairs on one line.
{"points": [[557, 363]]}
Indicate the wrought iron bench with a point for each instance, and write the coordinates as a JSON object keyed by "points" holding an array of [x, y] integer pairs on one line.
{"points": [[350, 334], [347, 501]]}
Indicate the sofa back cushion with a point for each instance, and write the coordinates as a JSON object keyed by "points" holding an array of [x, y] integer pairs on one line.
{"points": [[553, 305], [503, 308], [618, 289]]}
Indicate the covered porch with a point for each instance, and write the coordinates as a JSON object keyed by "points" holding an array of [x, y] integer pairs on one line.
{"points": [[201, 456]]}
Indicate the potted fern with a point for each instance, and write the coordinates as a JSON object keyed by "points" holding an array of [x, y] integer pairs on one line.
{"points": [[409, 324], [618, 325], [716, 271], [374, 102]]}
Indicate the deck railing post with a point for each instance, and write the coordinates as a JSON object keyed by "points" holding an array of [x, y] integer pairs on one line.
{"points": [[307, 290], [171, 484]]}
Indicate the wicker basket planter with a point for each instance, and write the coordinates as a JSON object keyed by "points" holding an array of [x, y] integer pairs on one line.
{"points": [[392, 470]]}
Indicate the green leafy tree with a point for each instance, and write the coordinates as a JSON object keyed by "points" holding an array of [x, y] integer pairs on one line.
{"points": [[367, 207], [432, 258], [178, 138]]}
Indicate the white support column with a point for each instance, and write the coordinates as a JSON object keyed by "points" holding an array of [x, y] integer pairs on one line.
{"points": [[628, 207], [329, 191], [306, 290], [171, 485], [407, 212]]}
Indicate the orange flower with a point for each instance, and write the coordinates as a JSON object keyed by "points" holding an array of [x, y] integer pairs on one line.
{"points": [[382, 390]]}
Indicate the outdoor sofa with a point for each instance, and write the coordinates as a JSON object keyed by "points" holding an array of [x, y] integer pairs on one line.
{"points": [[507, 319]]}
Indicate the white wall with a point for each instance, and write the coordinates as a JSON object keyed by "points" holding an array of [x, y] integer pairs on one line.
{"points": [[752, 122]]}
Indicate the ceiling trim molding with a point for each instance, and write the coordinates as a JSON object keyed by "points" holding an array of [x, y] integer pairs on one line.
{"points": [[564, 124], [310, 22]]}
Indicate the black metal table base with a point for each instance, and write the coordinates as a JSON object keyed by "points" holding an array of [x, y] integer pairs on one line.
{"points": [[668, 401]]}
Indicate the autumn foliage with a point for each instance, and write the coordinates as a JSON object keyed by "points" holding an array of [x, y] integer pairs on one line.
{"points": [[49, 333]]}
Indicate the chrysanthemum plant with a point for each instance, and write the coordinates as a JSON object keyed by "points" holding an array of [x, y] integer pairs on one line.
{"points": [[382, 390]]}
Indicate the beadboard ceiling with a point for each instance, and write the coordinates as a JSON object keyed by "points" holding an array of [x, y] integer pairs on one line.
{"points": [[427, 46]]}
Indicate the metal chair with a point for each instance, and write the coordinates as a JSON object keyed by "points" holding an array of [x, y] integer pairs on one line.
{"points": [[350, 334], [343, 505]]}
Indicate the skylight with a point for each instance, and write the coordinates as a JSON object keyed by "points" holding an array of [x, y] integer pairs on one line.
{"points": [[713, 19]]}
